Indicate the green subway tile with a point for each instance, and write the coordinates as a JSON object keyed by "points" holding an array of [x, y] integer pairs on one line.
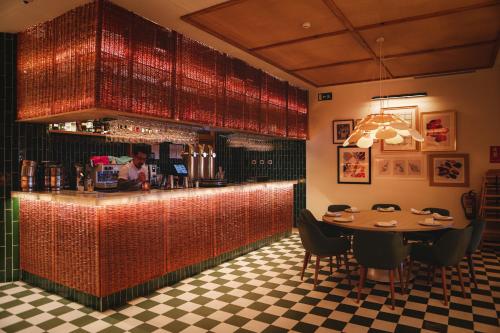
{"points": [[16, 274], [15, 257], [8, 221], [15, 209], [2, 276], [8, 245], [15, 233], [2, 258], [8, 204], [8, 269], [2, 234]]}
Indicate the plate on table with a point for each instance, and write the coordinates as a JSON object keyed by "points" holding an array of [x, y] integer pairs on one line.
{"points": [[335, 214], [343, 219], [430, 224], [388, 209], [441, 217], [386, 224], [421, 212]]}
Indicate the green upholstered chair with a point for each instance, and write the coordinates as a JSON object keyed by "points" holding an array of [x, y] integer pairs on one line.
{"points": [[384, 205], [318, 244], [380, 250], [428, 236], [477, 234], [338, 208], [448, 250]]}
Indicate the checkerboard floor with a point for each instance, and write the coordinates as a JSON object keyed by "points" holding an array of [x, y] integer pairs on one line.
{"points": [[262, 292]]}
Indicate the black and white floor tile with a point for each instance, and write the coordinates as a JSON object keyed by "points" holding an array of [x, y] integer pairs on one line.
{"points": [[262, 292]]}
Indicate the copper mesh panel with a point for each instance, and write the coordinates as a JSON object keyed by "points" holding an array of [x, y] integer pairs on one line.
{"points": [[231, 221], [282, 209], [259, 215], [190, 230], [273, 106], [36, 238], [235, 94], [132, 245], [252, 100], [76, 247], [302, 114], [196, 82]]}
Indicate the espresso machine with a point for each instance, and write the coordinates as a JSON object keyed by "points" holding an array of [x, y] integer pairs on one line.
{"points": [[28, 175]]}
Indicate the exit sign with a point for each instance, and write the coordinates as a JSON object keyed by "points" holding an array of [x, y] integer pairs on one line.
{"points": [[326, 96]]}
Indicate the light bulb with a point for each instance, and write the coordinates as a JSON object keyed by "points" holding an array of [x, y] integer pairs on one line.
{"points": [[386, 133]]}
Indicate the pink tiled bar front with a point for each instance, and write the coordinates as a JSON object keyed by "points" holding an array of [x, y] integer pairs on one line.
{"points": [[102, 244]]}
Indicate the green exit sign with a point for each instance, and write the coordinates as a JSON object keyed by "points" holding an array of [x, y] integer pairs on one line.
{"points": [[326, 96]]}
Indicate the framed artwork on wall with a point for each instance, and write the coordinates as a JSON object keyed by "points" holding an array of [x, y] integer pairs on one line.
{"points": [[439, 130], [354, 165], [342, 129], [409, 167], [410, 115], [494, 154], [449, 170]]}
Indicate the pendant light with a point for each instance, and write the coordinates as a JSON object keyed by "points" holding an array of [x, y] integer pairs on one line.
{"points": [[388, 127]]}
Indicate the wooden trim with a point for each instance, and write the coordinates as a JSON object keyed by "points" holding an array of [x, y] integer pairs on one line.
{"points": [[212, 8], [429, 15], [331, 64], [355, 34], [495, 50], [440, 49], [299, 40]]}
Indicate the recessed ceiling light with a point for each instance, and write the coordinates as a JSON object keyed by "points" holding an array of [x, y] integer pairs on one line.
{"points": [[306, 25]]}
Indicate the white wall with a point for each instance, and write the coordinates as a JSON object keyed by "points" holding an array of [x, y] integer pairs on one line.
{"points": [[475, 97]]}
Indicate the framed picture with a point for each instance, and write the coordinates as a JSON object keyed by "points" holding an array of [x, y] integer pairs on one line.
{"points": [[354, 165], [409, 167], [410, 115], [439, 130], [342, 129], [449, 170], [494, 154]]}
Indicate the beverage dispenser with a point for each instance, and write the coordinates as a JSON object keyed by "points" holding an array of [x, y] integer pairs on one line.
{"points": [[210, 162]]}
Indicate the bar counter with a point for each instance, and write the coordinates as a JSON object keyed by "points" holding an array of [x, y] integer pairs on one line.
{"points": [[107, 248]]}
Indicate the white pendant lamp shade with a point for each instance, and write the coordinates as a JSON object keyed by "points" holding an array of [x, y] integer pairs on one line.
{"points": [[388, 127]]}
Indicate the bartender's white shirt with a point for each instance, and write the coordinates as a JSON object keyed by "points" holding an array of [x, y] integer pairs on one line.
{"points": [[130, 172]]}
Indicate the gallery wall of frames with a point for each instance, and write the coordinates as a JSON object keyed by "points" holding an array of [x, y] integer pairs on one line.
{"points": [[431, 159]]}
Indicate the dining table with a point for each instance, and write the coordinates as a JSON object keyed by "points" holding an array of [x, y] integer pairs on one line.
{"points": [[379, 221]]}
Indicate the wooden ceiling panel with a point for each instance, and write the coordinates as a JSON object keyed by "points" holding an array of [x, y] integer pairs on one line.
{"points": [[366, 12], [455, 59], [315, 52], [255, 23], [339, 74], [448, 30]]}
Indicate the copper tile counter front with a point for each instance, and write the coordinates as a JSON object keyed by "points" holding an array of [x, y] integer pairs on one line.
{"points": [[106, 243]]}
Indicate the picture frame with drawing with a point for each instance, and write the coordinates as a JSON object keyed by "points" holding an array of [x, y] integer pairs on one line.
{"points": [[439, 130], [407, 167], [353, 165], [410, 115], [342, 129], [449, 170]]}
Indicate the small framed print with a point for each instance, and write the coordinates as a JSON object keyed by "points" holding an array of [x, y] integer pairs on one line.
{"points": [[494, 154], [408, 167], [342, 129], [410, 115], [449, 170], [439, 130], [354, 165]]}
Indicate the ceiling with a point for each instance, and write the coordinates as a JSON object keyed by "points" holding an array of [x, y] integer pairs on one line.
{"points": [[422, 37]]}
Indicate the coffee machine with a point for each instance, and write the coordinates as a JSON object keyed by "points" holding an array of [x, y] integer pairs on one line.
{"points": [[154, 174]]}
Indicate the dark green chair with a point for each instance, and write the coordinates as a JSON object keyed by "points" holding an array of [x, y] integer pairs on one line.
{"points": [[477, 234], [383, 205], [428, 236], [449, 249], [338, 208], [380, 250], [318, 244]]}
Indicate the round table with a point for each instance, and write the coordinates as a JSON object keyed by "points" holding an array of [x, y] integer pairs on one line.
{"points": [[407, 222]]}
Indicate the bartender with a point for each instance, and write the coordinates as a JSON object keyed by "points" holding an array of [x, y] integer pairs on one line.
{"points": [[135, 173]]}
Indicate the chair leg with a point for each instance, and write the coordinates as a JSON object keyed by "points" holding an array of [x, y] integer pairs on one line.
{"points": [[347, 272], [471, 270], [410, 269], [331, 265], [307, 256], [362, 277], [443, 279], [430, 270], [433, 275], [338, 262], [391, 279], [459, 271], [316, 270], [400, 273]]}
